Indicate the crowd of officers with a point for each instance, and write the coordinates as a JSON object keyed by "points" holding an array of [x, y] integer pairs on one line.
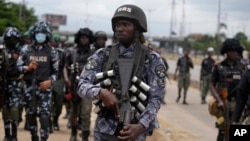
{"points": [[39, 73]]}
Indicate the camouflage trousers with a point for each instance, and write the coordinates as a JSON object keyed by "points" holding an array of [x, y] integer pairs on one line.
{"points": [[43, 103], [11, 100]]}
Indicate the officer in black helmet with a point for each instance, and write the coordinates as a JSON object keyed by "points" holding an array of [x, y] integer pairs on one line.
{"points": [[76, 59], [100, 39], [226, 76], [123, 114]]}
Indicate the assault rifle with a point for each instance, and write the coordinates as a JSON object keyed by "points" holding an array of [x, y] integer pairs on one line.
{"points": [[224, 94]]}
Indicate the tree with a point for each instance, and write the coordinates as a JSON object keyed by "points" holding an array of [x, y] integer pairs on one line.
{"points": [[9, 13]]}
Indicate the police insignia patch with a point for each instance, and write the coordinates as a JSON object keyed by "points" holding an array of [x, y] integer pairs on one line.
{"points": [[91, 64], [160, 71]]}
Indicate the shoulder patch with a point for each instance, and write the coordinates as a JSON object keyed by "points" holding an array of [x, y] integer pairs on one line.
{"points": [[91, 64], [160, 71]]}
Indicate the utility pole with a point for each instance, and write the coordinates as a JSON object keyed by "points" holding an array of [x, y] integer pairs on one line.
{"points": [[149, 21], [86, 20], [21, 8], [219, 17], [172, 20], [182, 27]]}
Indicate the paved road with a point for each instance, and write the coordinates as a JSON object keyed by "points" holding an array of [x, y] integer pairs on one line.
{"points": [[178, 122]]}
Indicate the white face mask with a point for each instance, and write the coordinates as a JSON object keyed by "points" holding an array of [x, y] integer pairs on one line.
{"points": [[40, 37]]}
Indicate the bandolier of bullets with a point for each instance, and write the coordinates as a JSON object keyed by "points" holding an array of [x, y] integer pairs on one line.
{"points": [[137, 92], [74, 68]]}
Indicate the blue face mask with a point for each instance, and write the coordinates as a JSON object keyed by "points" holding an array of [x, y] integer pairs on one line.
{"points": [[40, 37]]}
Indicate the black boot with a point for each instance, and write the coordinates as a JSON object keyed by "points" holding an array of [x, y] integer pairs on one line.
{"points": [[26, 124], [7, 138], [55, 123], [13, 138], [34, 138], [14, 131], [85, 135], [73, 136]]}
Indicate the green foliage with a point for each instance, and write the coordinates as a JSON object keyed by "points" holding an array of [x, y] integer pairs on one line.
{"points": [[203, 43], [10, 16], [243, 40]]}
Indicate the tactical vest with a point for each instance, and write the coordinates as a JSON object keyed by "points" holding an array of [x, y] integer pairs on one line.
{"points": [[13, 73], [141, 54], [43, 58], [230, 78]]}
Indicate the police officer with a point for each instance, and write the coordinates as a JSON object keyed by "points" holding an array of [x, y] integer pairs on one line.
{"points": [[184, 64], [76, 59], [205, 74], [40, 67], [128, 24], [12, 96], [226, 75], [100, 39]]}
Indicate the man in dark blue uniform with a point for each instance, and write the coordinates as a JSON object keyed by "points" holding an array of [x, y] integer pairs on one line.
{"points": [[123, 114], [40, 68], [13, 92]]}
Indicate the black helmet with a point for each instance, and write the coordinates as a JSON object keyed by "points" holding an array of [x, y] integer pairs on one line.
{"points": [[11, 32], [132, 12], [41, 27], [231, 45], [101, 34], [84, 31]]}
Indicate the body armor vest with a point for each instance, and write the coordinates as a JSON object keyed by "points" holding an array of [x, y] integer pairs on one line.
{"points": [[111, 64], [230, 77], [43, 58]]}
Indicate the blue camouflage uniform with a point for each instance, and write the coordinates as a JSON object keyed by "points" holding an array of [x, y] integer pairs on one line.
{"points": [[13, 93], [43, 98], [153, 76]]}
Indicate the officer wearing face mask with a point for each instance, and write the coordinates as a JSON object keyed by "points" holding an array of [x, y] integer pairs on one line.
{"points": [[40, 68]]}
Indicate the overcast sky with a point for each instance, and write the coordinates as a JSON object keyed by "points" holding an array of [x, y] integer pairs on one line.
{"points": [[200, 15]]}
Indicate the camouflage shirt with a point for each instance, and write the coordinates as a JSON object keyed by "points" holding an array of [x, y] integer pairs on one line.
{"points": [[155, 79]]}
